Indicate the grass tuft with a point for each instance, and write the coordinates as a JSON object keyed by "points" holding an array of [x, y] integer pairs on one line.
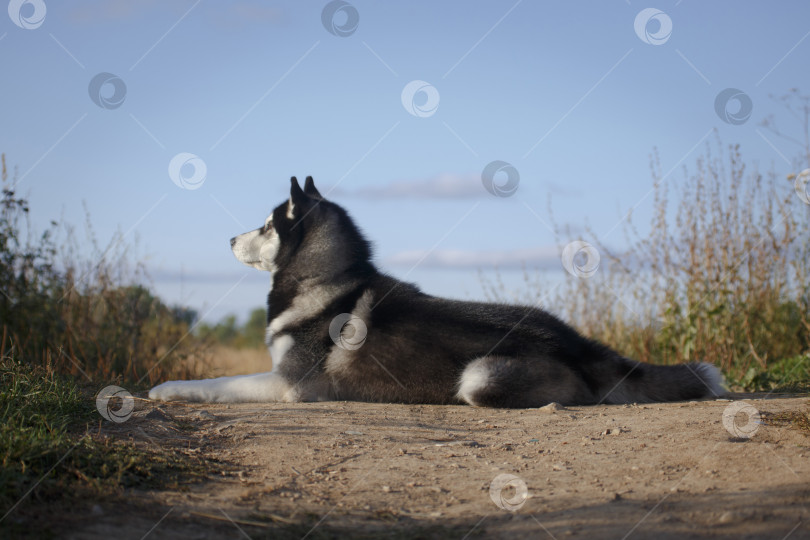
{"points": [[49, 449], [797, 419]]}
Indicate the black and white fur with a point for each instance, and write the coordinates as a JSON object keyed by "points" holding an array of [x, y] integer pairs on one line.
{"points": [[390, 342]]}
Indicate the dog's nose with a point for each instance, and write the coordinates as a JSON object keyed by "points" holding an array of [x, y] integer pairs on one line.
{"points": [[233, 241]]}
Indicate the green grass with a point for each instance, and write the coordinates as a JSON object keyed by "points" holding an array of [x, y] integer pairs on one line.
{"points": [[51, 449], [789, 375], [37, 409]]}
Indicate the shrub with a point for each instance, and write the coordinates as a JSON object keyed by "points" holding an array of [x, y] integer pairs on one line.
{"points": [[723, 274], [80, 315]]}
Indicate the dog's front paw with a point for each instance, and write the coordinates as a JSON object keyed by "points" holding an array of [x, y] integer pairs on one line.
{"points": [[167, 391]]}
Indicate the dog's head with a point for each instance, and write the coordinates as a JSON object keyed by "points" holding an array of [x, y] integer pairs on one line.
{"points": [[306, 231]]}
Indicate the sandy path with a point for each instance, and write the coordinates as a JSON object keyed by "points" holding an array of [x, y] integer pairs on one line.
{"points": [[332, 469]]}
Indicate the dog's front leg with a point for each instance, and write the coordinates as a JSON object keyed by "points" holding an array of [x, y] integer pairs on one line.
{"points": [[261, 387]]}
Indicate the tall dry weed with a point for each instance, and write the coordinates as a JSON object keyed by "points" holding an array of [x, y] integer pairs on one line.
{"points": [[722, 274]]}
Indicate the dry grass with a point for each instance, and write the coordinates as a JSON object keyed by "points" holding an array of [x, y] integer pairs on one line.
{"points": [[797, 419], [723, 274], [221, 361], [81, 307]]}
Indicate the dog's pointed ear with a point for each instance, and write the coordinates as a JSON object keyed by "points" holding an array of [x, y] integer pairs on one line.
{"points": [[295, 190], [310, 189], [298, 199]]}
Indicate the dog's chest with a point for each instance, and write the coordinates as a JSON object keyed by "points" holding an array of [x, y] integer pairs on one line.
{"points": [[302, 308], [279, 346]]}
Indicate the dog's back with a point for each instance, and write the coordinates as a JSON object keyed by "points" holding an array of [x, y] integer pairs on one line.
{"points": [[437, 350]]}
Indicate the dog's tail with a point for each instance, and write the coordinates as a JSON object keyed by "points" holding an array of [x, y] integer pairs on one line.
{"points": [[637, 382]]}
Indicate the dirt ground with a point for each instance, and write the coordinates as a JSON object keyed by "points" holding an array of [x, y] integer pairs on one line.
{"points": [[328, 470]]}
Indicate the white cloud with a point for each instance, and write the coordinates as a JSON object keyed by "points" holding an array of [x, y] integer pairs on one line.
{"points": [[115, 10], [540, 257], [181, 276], [443, 186], [233, 15]]}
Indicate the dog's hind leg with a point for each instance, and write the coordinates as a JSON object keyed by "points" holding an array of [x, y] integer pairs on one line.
{"points": [[498, 381], [260, 387]]}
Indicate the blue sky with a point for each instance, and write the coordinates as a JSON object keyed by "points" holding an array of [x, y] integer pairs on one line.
{"points": [[568, 93]]}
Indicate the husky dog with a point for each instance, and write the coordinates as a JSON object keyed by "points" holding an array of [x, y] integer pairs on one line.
{"points": [[338, 329]]}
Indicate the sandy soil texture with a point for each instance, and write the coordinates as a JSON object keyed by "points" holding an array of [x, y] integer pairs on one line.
{"points": [[328, 470]]}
